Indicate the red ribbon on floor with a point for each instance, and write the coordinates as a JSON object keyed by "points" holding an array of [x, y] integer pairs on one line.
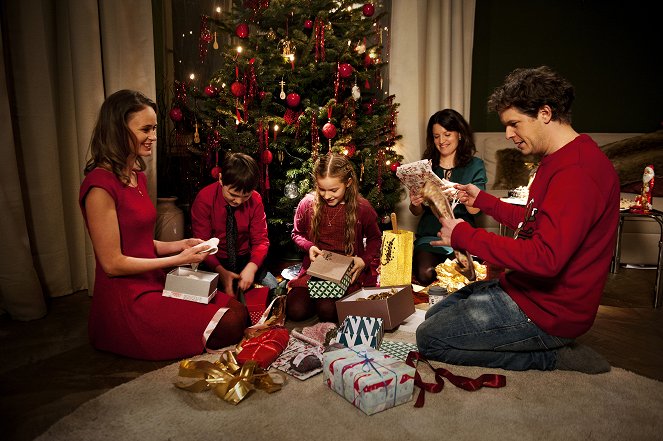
{"points": [[469, 384]]}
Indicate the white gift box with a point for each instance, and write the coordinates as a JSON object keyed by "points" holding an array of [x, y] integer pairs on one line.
{"points": [[194, 286]]}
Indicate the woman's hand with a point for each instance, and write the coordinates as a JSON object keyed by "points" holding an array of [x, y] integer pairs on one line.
{"points": [[191, 242], [357, 268], [416, 199], [314, 252], [192, 254]]}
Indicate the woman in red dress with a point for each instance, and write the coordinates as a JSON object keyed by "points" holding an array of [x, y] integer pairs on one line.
{"points": [[129, 316]]}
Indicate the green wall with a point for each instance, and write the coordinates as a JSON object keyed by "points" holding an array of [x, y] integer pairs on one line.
{"points": [[611, 51]]}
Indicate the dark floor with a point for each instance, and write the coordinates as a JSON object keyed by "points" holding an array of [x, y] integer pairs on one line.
{"points": [[48, 369]]}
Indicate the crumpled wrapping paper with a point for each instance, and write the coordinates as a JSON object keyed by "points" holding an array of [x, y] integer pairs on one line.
{"points": [[449, 277]]}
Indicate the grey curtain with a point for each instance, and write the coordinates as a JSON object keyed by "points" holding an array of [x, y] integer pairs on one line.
{"points": [[430, 69], [61, 58]]}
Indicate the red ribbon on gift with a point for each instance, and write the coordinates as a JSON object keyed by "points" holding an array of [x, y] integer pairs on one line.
{"points": [[469, 384], [264, 348]]}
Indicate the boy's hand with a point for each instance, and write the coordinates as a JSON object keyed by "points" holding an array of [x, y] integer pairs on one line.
{"points": [[247, 276], [227, 279]]}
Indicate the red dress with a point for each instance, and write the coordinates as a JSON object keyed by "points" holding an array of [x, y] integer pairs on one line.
{"points": [[129, 316]]}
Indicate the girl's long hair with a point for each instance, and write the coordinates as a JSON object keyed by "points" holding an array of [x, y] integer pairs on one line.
{"points": [[112, 142], [337, 166]]}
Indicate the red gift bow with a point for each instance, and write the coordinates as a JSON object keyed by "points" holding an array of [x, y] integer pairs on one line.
{"points": [[469, 384], [264, 348]]}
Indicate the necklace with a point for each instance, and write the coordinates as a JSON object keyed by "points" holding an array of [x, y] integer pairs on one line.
{"points": [[338, 210], [132, 185]]}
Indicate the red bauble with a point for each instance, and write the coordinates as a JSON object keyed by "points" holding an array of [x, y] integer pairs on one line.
{"points": [[329, 130], [267, 157], [368, 9], [216, 171], [395, 165], [368, 108], [262, 94], [368, 60], [210, 91], [351, 150], [308, 24], [242, 30], [206, 36], [237, 89], [292, 100], [345, 70], [176, 114]]}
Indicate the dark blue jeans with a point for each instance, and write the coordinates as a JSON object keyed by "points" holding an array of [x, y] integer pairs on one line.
{"points": [[480, 325]]}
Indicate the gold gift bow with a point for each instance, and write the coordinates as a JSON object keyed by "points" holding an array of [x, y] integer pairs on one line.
{"points": [[227, 378]]}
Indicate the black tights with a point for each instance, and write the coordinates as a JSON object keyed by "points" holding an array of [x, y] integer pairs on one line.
{"points": [[423, 265]]}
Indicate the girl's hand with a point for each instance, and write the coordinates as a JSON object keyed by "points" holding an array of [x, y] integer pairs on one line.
{"points": [[314, 252], [357, 268]]}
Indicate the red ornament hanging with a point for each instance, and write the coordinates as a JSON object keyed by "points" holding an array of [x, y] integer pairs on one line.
{"points": [[216, 171], [368, 9], [261, 95], [293, 100], [345, 70], [267, 157], [368, 60], [176, 114], [308, 24], [242, 30], [395, 165], [329, 130], [210, 91], [237, 89]]}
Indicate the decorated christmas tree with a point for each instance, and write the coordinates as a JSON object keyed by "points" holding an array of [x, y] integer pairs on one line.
{"points": [[298, 79]]}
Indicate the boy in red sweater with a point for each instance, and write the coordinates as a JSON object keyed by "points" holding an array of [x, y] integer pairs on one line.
{"points": [[529, 318], [232, 210]]}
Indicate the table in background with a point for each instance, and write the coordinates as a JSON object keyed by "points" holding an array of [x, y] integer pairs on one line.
{"points": [[614, 265]]}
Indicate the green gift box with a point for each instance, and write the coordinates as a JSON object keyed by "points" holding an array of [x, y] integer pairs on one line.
{"points": [[330, 275]]}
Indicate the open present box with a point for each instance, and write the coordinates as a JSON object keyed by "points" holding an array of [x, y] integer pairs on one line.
{"points": [[330, 275], [194, 286], [393, 304]]}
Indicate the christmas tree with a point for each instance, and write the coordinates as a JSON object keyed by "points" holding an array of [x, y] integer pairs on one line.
{"points": [[298, 79]]}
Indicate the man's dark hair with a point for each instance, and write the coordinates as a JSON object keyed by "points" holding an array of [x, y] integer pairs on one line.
{"points": [[528, 89]]}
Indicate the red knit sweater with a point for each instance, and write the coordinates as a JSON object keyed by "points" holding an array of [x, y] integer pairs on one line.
{"points": [[560, 261]]}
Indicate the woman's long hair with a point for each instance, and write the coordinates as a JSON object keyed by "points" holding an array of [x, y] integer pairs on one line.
{"points": [[112, 142], [337, 166], [453, 121]]}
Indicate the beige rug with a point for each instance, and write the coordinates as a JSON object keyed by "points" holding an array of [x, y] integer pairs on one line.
{"points": [[534, 405]]}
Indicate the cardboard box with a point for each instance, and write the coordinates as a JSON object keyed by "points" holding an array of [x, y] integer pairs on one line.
{"points": [[393, 310], [356, 330], [330, 275], [194, 286], [370, 380]]}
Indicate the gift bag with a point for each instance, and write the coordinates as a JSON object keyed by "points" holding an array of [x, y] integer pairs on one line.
{"points": [[396, 256]]}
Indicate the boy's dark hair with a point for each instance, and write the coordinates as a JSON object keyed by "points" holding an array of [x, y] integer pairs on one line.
{"points": [[528, 89], [241, 172]]}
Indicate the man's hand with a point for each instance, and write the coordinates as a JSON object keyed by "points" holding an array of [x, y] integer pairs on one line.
{"points": [[467, 194], [227, 279], [445, 232], [247, 276]]}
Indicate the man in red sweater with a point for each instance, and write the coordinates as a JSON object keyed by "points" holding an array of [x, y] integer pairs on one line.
{"points": [[559, 260]]}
